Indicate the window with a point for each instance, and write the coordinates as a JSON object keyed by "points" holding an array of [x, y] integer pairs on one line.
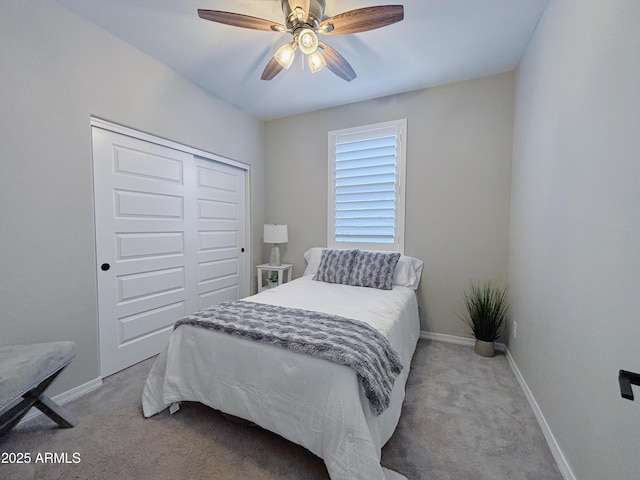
{"points": [[366, 187]]}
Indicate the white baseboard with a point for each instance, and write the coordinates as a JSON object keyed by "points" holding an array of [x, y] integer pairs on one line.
{"points": [[556, 451], [66, 397], [441, 337]]}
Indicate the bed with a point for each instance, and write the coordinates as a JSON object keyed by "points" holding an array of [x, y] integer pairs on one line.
{"points": [[310, 401]]}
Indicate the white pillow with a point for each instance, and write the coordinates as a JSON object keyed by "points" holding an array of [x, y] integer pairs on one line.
{"points": [[406, 274], [312, 257]]}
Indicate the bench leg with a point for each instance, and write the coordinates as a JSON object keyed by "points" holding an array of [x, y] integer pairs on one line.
{"points": [[54, 411], [36, 398]]}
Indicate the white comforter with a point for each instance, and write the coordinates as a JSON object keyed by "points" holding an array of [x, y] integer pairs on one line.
{"points": [[312, 402]]}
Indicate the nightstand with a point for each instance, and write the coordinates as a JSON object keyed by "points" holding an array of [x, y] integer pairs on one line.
{"points": [[281, 269]]}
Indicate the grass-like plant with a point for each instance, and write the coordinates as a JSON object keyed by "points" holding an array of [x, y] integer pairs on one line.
{"points": [[486, 310]]}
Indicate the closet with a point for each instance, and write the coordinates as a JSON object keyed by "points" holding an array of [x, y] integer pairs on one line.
{"points": [[171, 238]]}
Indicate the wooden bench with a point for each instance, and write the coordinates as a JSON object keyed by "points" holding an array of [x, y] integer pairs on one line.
{"points": [[25, 373]]}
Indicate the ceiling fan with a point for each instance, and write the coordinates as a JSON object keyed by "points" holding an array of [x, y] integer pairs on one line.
{"points": [[304, 21]]}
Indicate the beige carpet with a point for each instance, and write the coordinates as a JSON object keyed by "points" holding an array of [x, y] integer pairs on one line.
{"points": [[464, 417]]}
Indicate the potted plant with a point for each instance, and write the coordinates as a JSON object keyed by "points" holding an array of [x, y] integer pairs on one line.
{"points": [[272, 280], [486, 306]]}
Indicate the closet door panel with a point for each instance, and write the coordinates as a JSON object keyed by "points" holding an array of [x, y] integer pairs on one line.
{"points": [[221, 210]]}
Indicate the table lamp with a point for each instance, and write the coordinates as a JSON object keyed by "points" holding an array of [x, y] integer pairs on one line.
{"points": [[275, 234]]}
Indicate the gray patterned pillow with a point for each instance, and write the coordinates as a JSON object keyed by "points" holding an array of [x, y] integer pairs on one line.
{"points": [[335, 266], [373, 269]]}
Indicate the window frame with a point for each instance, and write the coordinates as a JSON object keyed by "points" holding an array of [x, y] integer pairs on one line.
{"points": [[400, 190]]}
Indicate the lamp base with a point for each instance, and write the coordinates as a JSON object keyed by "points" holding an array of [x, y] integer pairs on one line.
{"points": [[274, 259]]}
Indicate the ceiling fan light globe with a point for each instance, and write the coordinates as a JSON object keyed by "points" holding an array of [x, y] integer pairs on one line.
{"points": [[307, 41], [285, 54], [316, 62]]}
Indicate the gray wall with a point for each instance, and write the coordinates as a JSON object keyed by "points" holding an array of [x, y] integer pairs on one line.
{"points": [[57, 71], [575, 230], [459, 145]]}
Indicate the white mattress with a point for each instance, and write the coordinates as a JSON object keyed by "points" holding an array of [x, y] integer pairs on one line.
{"points": [[313, 402]]}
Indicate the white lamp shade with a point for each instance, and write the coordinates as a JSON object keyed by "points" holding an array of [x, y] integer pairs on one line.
{"points": [[307, 41], [275, 233], [286, 54], [316, 62]]}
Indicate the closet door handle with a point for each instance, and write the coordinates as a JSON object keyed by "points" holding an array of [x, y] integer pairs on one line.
{"points": [[104, 267], [242, 250]]}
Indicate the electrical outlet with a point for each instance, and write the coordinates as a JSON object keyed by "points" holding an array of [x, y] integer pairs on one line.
{"points": [[514, 328]]}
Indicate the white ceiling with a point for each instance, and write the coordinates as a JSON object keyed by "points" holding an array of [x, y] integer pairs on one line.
{"points": [[438, 42]]}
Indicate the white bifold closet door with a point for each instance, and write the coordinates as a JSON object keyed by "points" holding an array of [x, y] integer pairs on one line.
{"points": [[170, 234]]}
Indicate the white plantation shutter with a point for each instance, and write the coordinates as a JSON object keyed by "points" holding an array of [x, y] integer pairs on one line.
{"points": [[366, 191]]}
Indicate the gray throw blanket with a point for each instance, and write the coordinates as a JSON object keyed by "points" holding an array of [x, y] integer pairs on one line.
{"points": [[341, 340]]}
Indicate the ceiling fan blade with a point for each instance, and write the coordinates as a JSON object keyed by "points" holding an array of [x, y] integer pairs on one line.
{"points": [[337, 63], [303, 4], [272, 69], [239, 20], [363, 19]]}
